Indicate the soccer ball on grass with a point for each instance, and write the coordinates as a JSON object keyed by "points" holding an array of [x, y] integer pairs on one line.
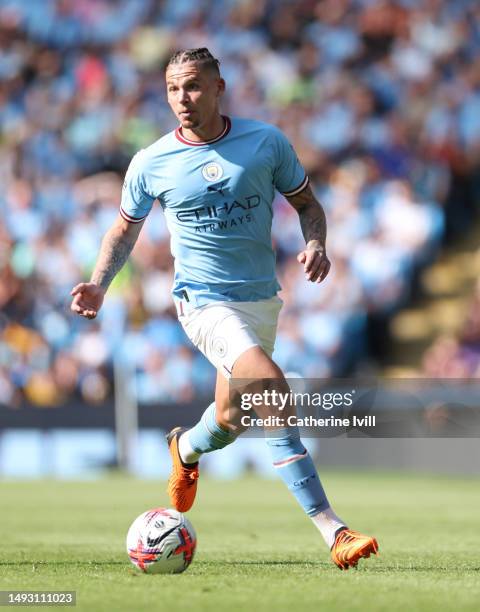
{"points": [[161, 541]]}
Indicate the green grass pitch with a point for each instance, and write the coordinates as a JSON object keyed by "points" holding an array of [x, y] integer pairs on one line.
{"points": [[256, 550]]}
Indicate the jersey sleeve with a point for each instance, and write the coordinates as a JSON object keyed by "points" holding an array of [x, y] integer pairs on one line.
{"points": [[136, 201], [289, 177]]}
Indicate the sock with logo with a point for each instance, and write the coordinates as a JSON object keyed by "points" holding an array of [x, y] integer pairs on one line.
{"points": [[297, 470]]}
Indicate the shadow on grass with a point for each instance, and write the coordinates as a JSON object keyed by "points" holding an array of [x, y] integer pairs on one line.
{"points": [[374, 569], [207, 563], [378, 568], [67, 563]]}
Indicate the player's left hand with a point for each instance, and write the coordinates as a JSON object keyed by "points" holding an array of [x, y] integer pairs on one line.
{"points": [[315, 263]]}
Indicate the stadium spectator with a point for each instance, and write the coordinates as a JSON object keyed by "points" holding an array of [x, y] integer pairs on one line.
{"points": [[457, 356]]}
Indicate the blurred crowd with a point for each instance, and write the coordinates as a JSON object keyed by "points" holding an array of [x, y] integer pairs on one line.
{"points": [[457, 355], [381, 100]]}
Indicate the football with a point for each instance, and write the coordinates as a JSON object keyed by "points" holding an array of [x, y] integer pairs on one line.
{"points": [[161, 541]]}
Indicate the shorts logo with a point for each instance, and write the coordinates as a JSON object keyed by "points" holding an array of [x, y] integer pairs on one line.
{"points": [[219, 347], [212, 172]]}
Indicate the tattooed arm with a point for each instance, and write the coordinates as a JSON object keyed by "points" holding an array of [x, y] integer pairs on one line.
{"points": [[117, 245], [314, 228]]}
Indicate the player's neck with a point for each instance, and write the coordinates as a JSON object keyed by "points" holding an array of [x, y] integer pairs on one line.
{"points": [[208, 131]]}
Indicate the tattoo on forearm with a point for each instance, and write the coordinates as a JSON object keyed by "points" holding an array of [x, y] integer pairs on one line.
{"points": [[113, 254], [312, 216], [313, 223]]}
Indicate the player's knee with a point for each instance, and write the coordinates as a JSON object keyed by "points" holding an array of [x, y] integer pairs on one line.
{"points": [[256, 364]]}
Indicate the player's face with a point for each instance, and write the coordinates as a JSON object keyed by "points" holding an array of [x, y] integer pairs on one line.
{"points": [[193, 93]]}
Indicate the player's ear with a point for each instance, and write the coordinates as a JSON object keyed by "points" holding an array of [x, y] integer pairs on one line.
{"points": [[221, 86]]}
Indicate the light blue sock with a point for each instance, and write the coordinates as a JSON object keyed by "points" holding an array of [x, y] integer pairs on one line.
{"points": [[207, 435], [297, 469]]}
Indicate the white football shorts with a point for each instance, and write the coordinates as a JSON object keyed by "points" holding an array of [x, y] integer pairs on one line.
{"points": [[225, 330]]}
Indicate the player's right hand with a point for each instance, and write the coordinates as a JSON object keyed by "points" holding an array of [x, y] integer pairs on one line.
{"points": [[87, 299]]}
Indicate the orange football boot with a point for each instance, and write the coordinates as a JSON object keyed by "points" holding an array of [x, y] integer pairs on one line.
{"points": [[350, 546], [182, 484]]}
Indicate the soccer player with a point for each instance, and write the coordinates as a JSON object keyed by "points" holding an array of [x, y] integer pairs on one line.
{"points": [[215, 178]]}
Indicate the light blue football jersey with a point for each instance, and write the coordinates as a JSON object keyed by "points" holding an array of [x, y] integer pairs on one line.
{"points": [[217, 198]]}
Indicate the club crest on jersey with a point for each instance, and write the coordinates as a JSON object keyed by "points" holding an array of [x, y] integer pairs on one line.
{"points": [[212, 172]]}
